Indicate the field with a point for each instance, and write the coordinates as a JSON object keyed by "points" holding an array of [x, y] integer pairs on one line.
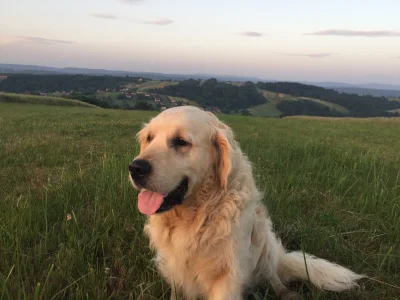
{"points": [[70, 228], [269, 109], [265, 110], [16, 98], [154, 84]]}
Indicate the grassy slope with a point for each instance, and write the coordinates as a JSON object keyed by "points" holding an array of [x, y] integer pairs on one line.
{"points": [[154, 84], [332, 187], [17, 98], [269, 109], [265, 110]]}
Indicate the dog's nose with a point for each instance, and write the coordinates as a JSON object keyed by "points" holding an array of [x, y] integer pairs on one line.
{"points": [[139, 169]]}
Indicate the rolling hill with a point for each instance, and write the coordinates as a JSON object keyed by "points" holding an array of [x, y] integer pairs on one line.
{"points": [[30, 99], [269, 109]]}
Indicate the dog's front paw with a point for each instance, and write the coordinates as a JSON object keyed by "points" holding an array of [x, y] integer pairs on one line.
{"points": [[289, 295]]}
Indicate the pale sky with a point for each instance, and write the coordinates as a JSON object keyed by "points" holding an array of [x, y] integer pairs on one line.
{"points": [[307, 40]]}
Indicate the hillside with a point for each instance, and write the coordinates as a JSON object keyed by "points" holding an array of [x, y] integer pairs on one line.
{"points": [[267, 99], [69, 217], [29, 99], [357, 106], [275, 100]]}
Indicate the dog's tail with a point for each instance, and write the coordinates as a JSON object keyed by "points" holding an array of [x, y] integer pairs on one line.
{"points": [[322, 273]]}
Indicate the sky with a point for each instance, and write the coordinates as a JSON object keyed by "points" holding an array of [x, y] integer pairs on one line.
{"points": [[349, 41]]}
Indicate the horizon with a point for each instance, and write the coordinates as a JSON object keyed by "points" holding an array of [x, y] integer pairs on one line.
{"points": [[311, 41]]}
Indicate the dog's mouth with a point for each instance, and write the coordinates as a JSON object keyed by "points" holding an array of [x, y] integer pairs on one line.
{"points": [[150, 203]]}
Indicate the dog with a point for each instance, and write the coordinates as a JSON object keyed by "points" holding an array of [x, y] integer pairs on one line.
{"points": [[212, 234]]}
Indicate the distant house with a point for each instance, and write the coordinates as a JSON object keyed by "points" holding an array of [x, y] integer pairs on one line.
{"points": [[129, 96], [3, 77], [157, 99], [140, 79], [163, 108], [172, 100], [100, 91], [43, 94], [147, 95]]}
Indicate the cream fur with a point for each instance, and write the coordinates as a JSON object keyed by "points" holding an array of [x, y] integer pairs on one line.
{"points": [[220, 241]]}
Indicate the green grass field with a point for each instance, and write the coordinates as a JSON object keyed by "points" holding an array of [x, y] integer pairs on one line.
{"points": [[154, 84], [269, 109], [70, 228], [265, 110], [31, 99]]}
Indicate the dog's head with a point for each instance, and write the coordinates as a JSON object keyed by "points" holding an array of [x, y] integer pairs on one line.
{"points": [[178, 149]]}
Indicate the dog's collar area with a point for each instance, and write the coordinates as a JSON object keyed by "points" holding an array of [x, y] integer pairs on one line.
{"points": [[175, 197]]}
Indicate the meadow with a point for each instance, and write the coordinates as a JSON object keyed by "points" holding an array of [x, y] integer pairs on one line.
{"points": [[32, 99], [70, 228]]}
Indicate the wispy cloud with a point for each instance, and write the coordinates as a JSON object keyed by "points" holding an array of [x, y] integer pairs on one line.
{"points": [[161, 21], [130, 1], [310, 55], [45, 41], [104, 16], [359, 33], [252, 33]]}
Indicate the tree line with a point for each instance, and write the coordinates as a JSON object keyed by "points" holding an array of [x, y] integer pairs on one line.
{"points": [[86, 84], [358, 106], [212, 93]]}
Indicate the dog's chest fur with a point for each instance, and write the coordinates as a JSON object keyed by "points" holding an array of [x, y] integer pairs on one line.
{"points": [[190, 254]]}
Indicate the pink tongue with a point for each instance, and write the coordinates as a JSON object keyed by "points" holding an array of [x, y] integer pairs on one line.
{"points": [[149, 202]]}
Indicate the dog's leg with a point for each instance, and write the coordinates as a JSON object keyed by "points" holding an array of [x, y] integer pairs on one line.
{"points": [[225, 289], [175, 294], [281, 290]]}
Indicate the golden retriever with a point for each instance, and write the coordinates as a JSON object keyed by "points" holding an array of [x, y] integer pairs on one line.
{"points": [[212, 235]]}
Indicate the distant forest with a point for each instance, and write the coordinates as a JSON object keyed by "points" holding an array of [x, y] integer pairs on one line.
{"points": [[210, 94], [86, 84], [358, 106]]}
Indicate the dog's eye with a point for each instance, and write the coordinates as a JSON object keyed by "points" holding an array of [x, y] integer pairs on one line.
{"points": [[180, 142]]}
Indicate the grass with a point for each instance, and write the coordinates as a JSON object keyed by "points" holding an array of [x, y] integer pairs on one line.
{"points": [[18, 98], [269, 109], [155, 84], [70, 229], [265, 110]]}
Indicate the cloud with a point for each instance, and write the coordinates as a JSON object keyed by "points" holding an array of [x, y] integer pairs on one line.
{"points": [[130, 1], [310, 55], [104, 16], [252, 33], [162, 21], [360, 33], [45, 41]]}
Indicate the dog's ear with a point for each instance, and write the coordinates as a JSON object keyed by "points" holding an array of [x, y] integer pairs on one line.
{"points": [[223, 163]]}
